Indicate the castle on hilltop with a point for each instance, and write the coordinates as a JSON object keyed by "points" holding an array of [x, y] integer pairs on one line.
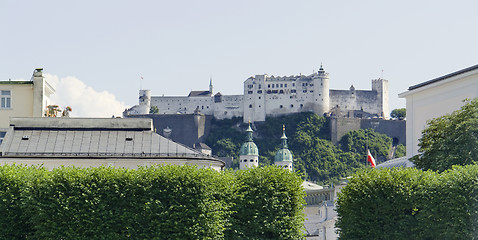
{"points": [[273, 96]]}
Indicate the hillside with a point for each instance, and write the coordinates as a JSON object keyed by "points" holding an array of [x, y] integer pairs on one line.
{"points": [[309, 141]]}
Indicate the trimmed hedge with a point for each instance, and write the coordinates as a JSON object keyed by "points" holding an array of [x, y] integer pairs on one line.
{"points": [[166, 202], [410, 204]]}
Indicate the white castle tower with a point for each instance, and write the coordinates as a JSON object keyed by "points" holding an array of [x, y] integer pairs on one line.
{"points": [[144, 101], [321, 92], [283, 157], [249, 154]]}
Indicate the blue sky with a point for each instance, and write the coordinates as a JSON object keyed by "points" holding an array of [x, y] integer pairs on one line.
{"points": [[105, 46]]}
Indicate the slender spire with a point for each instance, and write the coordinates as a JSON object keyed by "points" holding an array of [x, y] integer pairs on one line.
{"points": [[284, 138], [210, 84], [249, 133]]}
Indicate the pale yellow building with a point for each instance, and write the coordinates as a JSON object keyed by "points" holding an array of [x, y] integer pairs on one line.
{"points": [[23, 99]]}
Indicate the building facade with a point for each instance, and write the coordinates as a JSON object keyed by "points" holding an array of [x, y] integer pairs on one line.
{"points": [[265, 95], [23, 99], [435, 98]]}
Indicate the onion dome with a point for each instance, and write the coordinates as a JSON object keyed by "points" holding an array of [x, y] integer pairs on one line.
{"points": [[283, 154], [249, 147]]}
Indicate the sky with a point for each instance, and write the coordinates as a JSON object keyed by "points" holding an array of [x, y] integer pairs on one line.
{"points": [[95, 52]]}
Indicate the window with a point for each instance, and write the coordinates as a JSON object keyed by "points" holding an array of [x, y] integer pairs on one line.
{"points": [[5, 99], [259, 91], [281, 106], [272, 85], [252, 160], [285, 85], [2, 136], [250, 105], [268, 85], [249, 92], [293, 84], [292, 106], [260, 86], [281, 85]]}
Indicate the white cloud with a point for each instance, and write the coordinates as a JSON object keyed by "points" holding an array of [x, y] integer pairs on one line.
{"points": [[83, 99]]}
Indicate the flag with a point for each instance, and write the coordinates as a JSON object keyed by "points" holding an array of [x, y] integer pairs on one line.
{"points": [[370, 158]]}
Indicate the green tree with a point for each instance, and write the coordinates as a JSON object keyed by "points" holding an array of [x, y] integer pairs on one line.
{"points": [[154, 110], [450, 140], [399, 113]]}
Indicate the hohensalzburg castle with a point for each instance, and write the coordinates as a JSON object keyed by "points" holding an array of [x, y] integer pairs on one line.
{"points": [[272, 96]]}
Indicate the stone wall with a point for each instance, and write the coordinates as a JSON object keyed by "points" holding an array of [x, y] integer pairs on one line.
{"points": [[393, 128], [186, 129]]}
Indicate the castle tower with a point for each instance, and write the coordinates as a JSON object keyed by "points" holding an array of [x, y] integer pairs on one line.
{"points": [[254, 99], [321, 92], [144, 101], [249, 154], [381, 87], [283, 156]]}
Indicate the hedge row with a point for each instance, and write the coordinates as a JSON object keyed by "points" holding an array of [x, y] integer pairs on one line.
{"points": [[167, 202], [410, 204]]}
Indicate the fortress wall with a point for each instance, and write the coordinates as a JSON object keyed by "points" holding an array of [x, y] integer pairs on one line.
{"points": [[356, 100], [187, 129], [392, 128], [173, 105]]}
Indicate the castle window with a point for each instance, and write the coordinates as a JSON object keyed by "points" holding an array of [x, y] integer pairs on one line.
{"points": [[259, 97], [274, 91], [250, 105], [252, 160], [249, 86], [268, 85], [260, 86], [292, 106], [277, 85], [293, 91], [281, 106], [6, 99], [285, 85], [301, 105], [311, 90], [281, 91], [249, 92], [272, 85], [293, 84], [304, 91], [321, 84], [269, 91], [319, 94], [259, 91], [202, 107], [281, 85]]}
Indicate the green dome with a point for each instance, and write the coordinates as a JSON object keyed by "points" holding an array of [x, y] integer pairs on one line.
{"points": [[249, 147], [283, 154]]}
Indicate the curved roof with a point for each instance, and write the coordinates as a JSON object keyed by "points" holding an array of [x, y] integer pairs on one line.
{"points": [[283, 154], [249, 147]]}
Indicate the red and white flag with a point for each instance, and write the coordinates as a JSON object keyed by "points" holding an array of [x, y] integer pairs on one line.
{"points": [[370, 158]]}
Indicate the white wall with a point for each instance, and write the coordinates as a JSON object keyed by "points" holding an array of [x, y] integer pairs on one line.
{"points": [[435, 100]]}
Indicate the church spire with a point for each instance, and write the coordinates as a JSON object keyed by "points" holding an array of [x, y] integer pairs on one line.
{"points": [[284, 139], [210, 85]]}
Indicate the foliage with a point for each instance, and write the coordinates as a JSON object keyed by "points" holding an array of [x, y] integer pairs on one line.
{"points": [[268, 204], [309, 141], [450, 140], [409, 204], [154, 110], [162, 202], [54, 110], [399, 113], [401, 151]]}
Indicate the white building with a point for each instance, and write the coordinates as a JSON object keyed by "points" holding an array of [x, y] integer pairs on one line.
{"points": [[94, 142], [23, 99], [272, 96], [435, 98]]}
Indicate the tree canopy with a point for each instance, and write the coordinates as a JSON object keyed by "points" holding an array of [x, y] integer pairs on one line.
{"points": [[399, 113], [450, 140], [309, 141]]}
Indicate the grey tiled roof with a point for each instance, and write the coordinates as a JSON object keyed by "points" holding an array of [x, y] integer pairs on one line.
{"points": [[92, 143]]}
